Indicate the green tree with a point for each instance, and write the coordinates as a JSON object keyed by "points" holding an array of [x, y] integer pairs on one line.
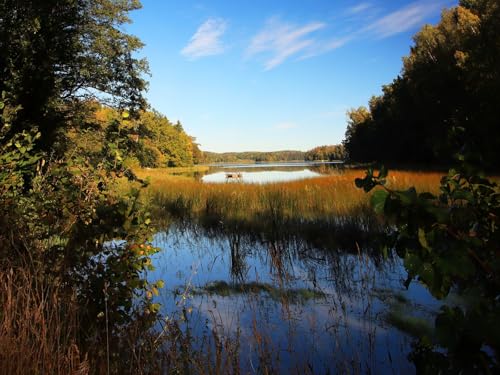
{"points": [[330, 153], [450, 81], [450, 243], [358, 134], [56, 52], [171, 140]]}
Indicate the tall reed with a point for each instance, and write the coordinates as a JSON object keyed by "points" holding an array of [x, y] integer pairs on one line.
{"points": [[38, 327], [329, 198]]}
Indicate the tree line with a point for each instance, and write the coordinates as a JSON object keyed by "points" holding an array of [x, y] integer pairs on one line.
{"points": [[444, 101], [325, 153]]}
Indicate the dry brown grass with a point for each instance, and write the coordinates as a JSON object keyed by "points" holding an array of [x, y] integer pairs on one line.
{"points": [[37, 331], [323, 197]]}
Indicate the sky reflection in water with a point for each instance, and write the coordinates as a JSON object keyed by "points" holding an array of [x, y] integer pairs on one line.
{"points": [[345, 330], [262, 177]]}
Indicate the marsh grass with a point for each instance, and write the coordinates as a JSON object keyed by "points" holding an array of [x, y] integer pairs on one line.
{"points": [[412, 325], [401, 314], [320, 204], [37, 330], [297, 295], [322, 208]]}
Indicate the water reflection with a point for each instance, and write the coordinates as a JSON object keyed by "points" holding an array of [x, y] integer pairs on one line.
{"points": [[259, 177], [261, 173], [300, 304]]}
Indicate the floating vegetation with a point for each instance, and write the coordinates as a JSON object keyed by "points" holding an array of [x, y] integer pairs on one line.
{"points": [[296, 295], [417, 327], [400, 314]]}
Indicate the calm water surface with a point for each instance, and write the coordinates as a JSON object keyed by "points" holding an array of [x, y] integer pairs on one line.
{"points": [[262, 173], [311, 307]]}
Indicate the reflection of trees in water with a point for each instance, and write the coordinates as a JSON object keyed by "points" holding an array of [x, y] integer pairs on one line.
{"points": [[324, 169], [239, 268], [282, 318], [342, 259]]}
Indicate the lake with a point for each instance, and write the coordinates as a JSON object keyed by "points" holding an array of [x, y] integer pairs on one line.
{"points": [[287, 277], [302, 303], [261, 173]]}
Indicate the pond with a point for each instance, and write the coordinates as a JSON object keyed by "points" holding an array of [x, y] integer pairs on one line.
{"points": [[262, 173], [298, 304]]}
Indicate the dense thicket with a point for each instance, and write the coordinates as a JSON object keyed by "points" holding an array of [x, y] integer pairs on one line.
{"points": [[81, 304], [446, 95]]}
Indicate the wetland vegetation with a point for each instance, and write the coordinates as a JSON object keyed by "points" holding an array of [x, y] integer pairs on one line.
{"points": [[117, 256]]}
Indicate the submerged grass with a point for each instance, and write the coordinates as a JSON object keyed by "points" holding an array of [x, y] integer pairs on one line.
{"points": [[224, 289], [412, 325], [400, 314]]}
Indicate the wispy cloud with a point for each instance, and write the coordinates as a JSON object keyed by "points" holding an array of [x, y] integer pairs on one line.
{"points": [[206, 41], [404, 19], [360, 8], [281, 41], [325, 46]]}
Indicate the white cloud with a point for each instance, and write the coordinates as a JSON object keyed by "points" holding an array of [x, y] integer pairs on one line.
{"points": [[360, 8], [323, 47], [206, 40], [280, 41], [404, 19]]}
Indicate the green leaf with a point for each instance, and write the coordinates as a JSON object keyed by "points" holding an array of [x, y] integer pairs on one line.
{"points": [[413, 264], [160, 284], [422, 239], [408, 196], [378, 200], [383, 172]]}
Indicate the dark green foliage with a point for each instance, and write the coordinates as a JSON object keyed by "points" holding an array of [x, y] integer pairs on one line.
{"points": [[450, 81], [59, 211], [450, 242], [56, 52]]}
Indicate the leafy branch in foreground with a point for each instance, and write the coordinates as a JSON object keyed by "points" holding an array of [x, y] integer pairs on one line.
{"points": [[449, 243]]}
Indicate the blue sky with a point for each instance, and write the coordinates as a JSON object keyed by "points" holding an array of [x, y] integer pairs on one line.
{"points": [[273, 75]]}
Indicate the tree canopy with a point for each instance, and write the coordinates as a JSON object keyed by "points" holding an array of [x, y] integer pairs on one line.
{"points": [[329, 153], [56, 52], [445, 96]]}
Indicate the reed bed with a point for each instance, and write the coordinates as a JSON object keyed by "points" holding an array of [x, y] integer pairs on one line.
{"points": [[332, 197], [38, 329]]}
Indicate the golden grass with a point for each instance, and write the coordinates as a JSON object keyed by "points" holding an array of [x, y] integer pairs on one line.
{"points": [[157, 172], [37, 331], [304, 200]]}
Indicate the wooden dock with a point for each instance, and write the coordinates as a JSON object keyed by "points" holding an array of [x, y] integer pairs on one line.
{"points": [[234, 176]]}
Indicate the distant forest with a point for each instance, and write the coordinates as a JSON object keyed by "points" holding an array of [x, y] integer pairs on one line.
{"points": [[327, 153], [151, 140], [445, 100]]}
